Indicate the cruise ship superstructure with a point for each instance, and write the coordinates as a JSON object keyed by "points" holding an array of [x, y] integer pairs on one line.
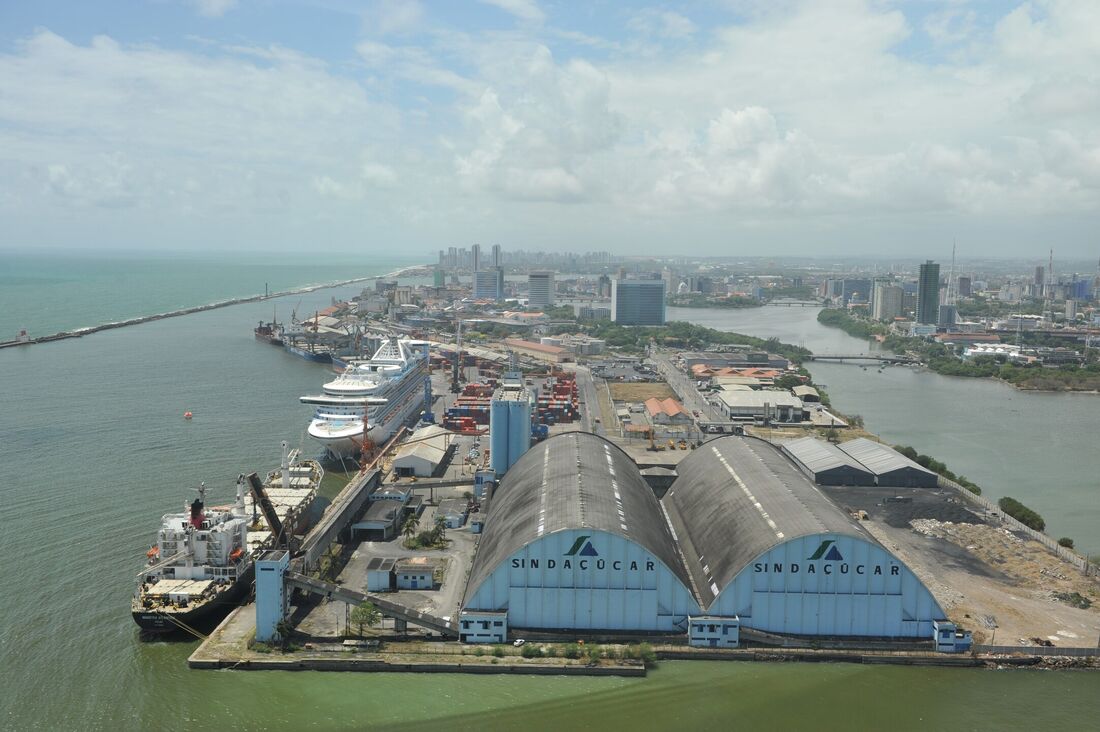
{"points": [[384, 392]]}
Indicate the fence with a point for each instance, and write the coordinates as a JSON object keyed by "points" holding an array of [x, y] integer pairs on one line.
{"points": [[1037, 651], [1067, 554]]}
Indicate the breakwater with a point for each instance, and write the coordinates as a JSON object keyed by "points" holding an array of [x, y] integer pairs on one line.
{"points": [[81, 332]]}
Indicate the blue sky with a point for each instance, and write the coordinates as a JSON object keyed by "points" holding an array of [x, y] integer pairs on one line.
{"points": [[739, 127]]}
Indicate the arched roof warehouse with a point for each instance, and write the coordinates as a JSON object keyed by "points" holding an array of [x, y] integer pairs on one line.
{"points": [[762, 542], [737, 497], [573, 481]]}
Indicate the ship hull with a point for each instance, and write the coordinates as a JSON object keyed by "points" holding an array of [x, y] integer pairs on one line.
{"points": [[315, 356], [201, 616]]}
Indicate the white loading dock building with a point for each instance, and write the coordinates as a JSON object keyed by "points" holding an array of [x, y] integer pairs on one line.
{"points": [[765, 547], [778, 406], [890, 467], [423, 452]]}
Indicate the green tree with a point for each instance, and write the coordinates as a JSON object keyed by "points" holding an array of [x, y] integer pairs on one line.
{"points": [[366, 615], [410, 527], [440, 530]]}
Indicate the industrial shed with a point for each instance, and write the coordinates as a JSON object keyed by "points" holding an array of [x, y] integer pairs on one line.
{"points": [[764, 545], [423, 452], [576, 540], [826, 464], [889, 466]]}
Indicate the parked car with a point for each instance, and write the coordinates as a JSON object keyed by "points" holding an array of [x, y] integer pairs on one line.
{"points": [[518, 642]]}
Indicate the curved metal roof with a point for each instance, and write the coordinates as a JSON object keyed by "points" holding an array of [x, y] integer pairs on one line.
{"points": [[819, 456], [572, 481], [881, 459], [737, 497]]}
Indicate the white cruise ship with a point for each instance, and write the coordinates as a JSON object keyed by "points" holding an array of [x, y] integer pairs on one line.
{"points": [[385, 391]]}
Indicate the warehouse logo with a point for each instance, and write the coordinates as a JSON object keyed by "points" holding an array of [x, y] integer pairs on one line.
{"points": [[827, 551], [587, 551], [820, 562]]}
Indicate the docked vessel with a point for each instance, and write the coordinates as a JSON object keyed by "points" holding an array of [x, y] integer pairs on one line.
{"points": [[269, 333], [202, 562], [199, 566], [383, 393]]}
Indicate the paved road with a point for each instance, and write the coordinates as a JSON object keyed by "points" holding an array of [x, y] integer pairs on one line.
{"points": [[590, 400], [685, 388]]}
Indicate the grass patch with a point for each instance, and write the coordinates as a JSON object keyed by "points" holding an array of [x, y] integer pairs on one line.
{"points": [[623, 392]]}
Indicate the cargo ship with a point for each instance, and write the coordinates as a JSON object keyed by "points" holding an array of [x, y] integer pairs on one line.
{"points": [[269, 333], [202, 563]]}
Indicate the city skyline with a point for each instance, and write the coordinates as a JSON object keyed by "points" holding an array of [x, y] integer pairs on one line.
{"points": [[795, 128]]}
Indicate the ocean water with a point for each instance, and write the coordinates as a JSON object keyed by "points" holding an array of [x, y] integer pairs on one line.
{"points": [[95, 450], [54, 292]]}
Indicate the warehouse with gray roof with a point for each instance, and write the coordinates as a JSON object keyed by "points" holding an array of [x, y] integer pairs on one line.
{"points": [[889, 466], [764, 545], [825, 463], [578, 542]]}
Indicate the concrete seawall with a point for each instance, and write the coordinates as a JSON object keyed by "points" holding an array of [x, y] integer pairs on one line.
{"points": [[81, 332]]}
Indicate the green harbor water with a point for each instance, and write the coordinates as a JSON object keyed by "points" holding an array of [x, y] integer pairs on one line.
{"points": [[96, 450]]}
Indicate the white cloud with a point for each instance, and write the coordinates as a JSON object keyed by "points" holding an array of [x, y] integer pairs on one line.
{"points": [[526, 10], [795, 119], [384, 17], [214, 8], [664, 23]]}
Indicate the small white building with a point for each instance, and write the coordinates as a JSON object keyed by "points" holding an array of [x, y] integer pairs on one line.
{"points": [[483, 626], [415, 573], [453, 511], [380, 574], [710, 631]]}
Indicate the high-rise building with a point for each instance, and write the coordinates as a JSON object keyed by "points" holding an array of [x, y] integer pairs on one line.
{"points": [[603, 286], [887, 301], [489, 284], [638, 302], [965, 288], [496, 256], [947, 316], [475, 258], [928, 293], [859, 290], [540, 289]]}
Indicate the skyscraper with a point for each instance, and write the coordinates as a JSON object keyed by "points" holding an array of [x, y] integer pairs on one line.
{"points": [[475, 258], [540, 289], [965, 287], [638, 302], [489, 284], [886, 304], [928, 293], [496, 256]]}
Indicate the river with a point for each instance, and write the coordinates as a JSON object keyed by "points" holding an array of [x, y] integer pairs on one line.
{"points": [[1039, 448]]}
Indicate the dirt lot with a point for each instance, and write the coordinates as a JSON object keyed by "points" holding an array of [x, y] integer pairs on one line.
{"points": [[986, 577], [640, 392]]}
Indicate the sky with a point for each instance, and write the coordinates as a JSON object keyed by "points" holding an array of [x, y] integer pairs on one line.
{"points": [[733, 127]]}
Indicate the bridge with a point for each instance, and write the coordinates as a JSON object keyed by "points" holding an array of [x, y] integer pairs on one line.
{"points": [[792, 304], [881, 358]]}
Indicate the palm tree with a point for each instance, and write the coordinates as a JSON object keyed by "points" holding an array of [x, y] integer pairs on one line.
{"points": [[410, 527], [440, 529]]}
